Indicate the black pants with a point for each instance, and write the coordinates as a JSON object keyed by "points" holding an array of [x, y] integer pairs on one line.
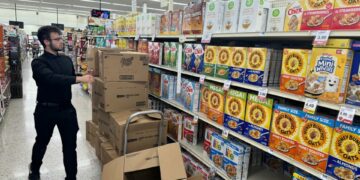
{"points": [[45, 120]]}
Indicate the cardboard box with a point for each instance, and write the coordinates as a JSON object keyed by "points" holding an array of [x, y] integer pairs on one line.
{"points": [[258, 65], [253, 16], [98, 141], [210, 60], [216, 104], [95, 115], [223, 62], [197, 17], [164, 162], [104, 123], [346, 15], [293, 16], [353, 93], [124, 66], [107, 153], [143, 133], [276, 19], [92, 58], [234, 114], [213, 17], [175, 123], [91, 129], [190, 130], [231, 16], [117, 96], [238, 64]]}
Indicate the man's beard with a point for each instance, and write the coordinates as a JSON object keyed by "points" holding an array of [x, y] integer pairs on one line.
{"points": [[54, 48]]}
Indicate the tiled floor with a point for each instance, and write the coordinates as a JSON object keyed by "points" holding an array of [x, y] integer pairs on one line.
{"points": [[17, 135]]}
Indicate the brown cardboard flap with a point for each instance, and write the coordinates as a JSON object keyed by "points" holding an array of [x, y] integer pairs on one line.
{"points": [[117, 165], [141, 160], [170, 159]]}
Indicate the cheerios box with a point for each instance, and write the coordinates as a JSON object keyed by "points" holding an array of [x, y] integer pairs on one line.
{"points": [[285, 129], [204, 97], [216, 104], [293, 71], [217, 150], [257, 66], [223, 62], [191, 95], [258, 119], [235, 104], [238, 64], [353, 92], [328, 74], [314, 141], [210, 60], [344, 159], [233, 160], [190, 130]]}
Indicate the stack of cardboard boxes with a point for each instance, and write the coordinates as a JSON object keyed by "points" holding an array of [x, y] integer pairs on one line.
{"points": [[120, 89]]}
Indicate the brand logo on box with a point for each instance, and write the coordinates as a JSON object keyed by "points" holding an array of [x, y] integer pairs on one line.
{"points": [[294, 11], [325, 63], [126, 61]]}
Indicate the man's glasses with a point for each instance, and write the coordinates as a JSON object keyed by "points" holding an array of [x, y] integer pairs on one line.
{"points": [[57, 39]]}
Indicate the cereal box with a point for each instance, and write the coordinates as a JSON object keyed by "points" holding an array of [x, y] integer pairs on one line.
{"points": [[257, 66], [234, 116], [346, 18], [231, 16], [143, 46], [174, 50], [176, 23], [216, 104], [204, 172], [197, 59], [353, 93], [314, 141], [190, 130], [238, 64], [258, 118], [174, 120], [157, 53], [344, 159], [233, 160], [180, 96], [168, 86], [213, 17], [328, 74], [317, 5], [155, 83], [293, 71], [285, 129], [246, 162], [317, 15], [166, 53], [302, 175], [197, 15], [209, 131], [339, 43], [191, 95], [223, 62], [187, 56], [253, 16], [186, 20], [293, 17], [165, 23], [276, 19], [210, 60], [217, 150], [204, 98]]}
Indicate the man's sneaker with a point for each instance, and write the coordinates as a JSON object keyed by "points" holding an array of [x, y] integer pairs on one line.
{"points": [[33, 175]]}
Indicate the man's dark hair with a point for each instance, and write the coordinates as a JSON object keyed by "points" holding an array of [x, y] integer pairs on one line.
{"points": [[45, 31]]}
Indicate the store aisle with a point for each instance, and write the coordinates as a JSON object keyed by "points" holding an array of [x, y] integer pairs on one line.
{"points": [[17, 135]]}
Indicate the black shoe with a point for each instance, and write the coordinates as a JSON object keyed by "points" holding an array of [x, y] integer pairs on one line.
{"points": [[33, 175]]}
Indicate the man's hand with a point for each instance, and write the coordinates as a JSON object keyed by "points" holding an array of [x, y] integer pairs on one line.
{"points": [[85, 79]]}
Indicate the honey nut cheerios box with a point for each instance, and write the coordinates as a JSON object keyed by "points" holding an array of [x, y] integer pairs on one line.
{"points": [[238, 64], [314, 141], [293, 71], [344, 159], [216, 104], [204, 97], [210, 60], [223, 62], [328, 74], [235, 104], [258, 118], [285, 129], [257, 66]]}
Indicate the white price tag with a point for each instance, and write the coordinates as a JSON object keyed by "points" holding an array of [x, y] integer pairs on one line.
{"points": [[262, 94], [182, 38], [270, 151], [202, 79], [310, 105], [346, 115], [225, 133], [153, 37], [206, 38], [321, 38], [137, 37], [196, 119], [227, 84]]}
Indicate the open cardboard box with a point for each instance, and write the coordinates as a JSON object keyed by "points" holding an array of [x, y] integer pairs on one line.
{"points": [[163, 162]]}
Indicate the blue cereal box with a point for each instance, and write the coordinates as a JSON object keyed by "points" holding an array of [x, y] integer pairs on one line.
{"points": [[238, 64], [191, 95], [197, 59], [233, 160], [217, 150], [257, 66], [188, 53], [168, 86], [235, 104], [344, 159], [353, 92]]}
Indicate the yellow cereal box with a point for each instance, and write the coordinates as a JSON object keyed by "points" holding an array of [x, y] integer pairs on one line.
{"points": [[238, 64], [257, 66], [339, 43], [328, 74], [344, 159], [317, 4], [210, 60], [293, 72], [293, 16], [257, 119], [204, 98], [285, 129], [314, 141], [235, 104], [223, 62], [216, 104], [346, 3]]}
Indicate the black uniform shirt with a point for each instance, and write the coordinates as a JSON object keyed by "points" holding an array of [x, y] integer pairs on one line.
{"points": [[54, 75]]}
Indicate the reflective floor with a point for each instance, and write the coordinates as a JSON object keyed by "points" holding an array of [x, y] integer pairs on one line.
{"points": [[17, 135]]}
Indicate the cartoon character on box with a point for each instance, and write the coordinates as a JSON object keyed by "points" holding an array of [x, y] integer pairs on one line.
{"points": [[197, 59]]}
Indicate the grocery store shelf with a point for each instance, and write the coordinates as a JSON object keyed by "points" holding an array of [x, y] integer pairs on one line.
{"points": [[203, 118], [102, 36], [275, 92], [163, 67], [164, 36]]}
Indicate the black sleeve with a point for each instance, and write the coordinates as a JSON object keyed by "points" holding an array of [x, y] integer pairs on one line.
{"points": [[43, 74]]}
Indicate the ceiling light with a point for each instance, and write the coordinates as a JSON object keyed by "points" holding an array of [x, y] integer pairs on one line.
{"points": [[95, 1], [29, 1], [176, 3]]}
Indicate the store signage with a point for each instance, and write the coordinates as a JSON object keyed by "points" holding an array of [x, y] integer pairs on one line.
{"points": [[60, 26], [346, 115], [206, 38], [100, 14], [262, 94], [225, 133], [321, 38], [202, 79], [17, 23], [310, 105], [227, 84]]}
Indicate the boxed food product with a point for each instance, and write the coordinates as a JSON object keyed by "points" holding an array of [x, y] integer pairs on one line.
{"points": [[234, 116], [302, 175], [190, 130], [143, 46], [231, 16], [186, 20], [246, 163], [191, 95], [353, 92], [294, 69], [217, 150], [250, 23], [155, 81], [155, 52], [174, 50], [285, 130], [233, 160], [187, 56], [276, 19], [197, 16], [344, 156], [181, 95], [167, 54], [223, 62], [213, 16], [176, 22], [197, 59], [314, 141], [210, 60], [174, 120], [257, 66], [209, 131], [238, 64], [346, 15], [339, 43], [258, 118], [216, 104], [168, 86], [317, 15], [328, 74], [204, 172], [165, 23], [204, 98]]}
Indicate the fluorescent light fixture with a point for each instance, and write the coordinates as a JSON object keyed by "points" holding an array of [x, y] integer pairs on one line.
{"points": [[78, 6], [176, 3], [95, 1], [29, 1]]}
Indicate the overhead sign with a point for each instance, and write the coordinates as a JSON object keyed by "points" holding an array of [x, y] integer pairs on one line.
{"points": [[17, 23], [100, 14], [34, 33], [60, 26]]}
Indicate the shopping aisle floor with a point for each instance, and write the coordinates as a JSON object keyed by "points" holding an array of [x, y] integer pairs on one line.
{"points": [[17, 136]]}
